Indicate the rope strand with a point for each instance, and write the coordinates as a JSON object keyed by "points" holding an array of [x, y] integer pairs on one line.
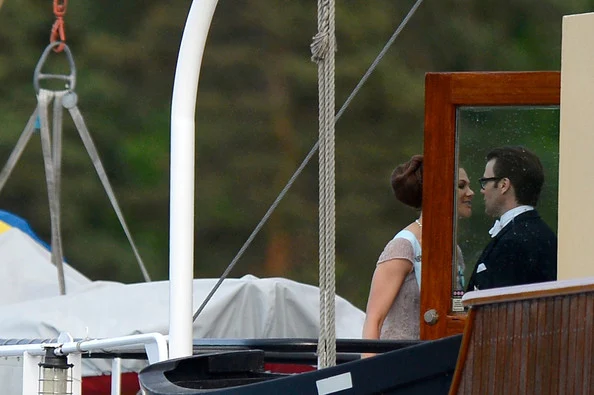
{"points": [[323, 49]]}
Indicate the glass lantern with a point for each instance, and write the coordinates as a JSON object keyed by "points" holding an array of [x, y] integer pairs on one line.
{"points": [[55, 376]]}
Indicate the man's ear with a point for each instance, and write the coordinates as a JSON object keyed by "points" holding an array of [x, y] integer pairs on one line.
{"points": [[505, 185]]}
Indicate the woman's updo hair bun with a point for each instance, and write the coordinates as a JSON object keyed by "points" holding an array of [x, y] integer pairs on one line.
{"points": [[407, 182]]}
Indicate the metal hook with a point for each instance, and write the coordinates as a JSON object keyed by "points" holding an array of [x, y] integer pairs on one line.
{"points": [[38, 75]]}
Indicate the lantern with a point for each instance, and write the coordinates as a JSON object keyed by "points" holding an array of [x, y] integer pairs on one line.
{"points": [[55, 376]]}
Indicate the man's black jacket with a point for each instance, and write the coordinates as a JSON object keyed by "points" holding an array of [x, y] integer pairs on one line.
{"points": [[523, 252]]}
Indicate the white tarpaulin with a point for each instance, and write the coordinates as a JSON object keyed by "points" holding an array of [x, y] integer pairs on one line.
{"points": [[26, 270], [242, 308], [248, 307]]}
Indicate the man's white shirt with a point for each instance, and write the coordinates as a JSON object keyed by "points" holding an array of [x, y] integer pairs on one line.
{"points": [[507, 217]]}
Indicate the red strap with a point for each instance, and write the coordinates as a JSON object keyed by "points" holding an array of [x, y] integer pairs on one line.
{"points": [[57, 33]]}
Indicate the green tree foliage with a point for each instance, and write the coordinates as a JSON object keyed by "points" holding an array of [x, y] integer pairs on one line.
{"points": [[256, 121]]}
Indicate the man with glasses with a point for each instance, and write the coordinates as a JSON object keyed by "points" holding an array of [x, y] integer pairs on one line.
{"points": [[523, 248]]}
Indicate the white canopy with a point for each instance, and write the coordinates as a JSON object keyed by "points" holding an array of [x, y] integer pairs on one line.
{"points": [[248, 307], [27, 272]]}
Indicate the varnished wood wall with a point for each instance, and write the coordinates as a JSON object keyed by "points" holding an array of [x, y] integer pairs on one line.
{"points": [[528, 340]]}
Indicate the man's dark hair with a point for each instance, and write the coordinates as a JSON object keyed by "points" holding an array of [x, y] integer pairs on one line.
{"points": [[524, 170]]}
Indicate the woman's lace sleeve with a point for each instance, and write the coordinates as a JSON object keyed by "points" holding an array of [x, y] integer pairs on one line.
{"points": [[398, 248]]}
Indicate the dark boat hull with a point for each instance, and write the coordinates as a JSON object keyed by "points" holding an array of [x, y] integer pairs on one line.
{"points": [[424, 368]]}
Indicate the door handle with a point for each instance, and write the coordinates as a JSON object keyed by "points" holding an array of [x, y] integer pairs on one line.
{"points": [[431, 317]]}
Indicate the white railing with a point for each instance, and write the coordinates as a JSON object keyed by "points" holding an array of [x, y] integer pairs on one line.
{"points": [[155, 346]]}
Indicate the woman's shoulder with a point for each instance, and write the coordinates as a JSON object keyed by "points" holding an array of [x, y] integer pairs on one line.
{"points": [[408, 235], [404, 234], [402, 246]]}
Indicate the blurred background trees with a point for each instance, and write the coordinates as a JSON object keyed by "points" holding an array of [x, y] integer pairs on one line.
{"points": [[256, 121]]}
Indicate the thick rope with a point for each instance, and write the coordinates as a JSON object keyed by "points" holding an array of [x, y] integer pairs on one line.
{"points": [[306, 160], [323, 49]]}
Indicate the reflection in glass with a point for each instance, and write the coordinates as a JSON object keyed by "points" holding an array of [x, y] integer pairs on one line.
{"points": [[480, 129], [463, 197]]}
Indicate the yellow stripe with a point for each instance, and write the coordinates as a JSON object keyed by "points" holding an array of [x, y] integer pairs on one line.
{"points": [[4, 227]]}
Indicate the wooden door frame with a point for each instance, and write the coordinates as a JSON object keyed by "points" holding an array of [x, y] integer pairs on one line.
{"points": [[444, 92]]}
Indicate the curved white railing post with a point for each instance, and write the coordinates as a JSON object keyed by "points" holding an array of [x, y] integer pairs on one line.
{"points": [[155, 345], [181, 225]]}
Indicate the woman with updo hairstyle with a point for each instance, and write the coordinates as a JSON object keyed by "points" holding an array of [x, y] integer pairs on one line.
{"points": [[407, 182], [393, 307]]}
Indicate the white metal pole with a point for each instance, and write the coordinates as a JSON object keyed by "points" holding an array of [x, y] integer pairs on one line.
{"points": [[76, 361], [116, 376], [31, 373], [181, 225]]}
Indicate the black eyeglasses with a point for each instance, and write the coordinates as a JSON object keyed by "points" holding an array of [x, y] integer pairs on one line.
{"points": [[484, 180]]}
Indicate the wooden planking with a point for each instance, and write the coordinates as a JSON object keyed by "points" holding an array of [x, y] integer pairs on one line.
{"points": [[516, 344], [490, 350], [563, 334], [540, 346], [478, 355], [463, 355], [522, 356], [572, 344], [556, 338], [580, 341], [544, 343], [587, 385], [534, 334], [506, 328]]}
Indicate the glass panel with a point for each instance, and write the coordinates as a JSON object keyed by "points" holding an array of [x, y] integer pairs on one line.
{"points": [[478, 130]]}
